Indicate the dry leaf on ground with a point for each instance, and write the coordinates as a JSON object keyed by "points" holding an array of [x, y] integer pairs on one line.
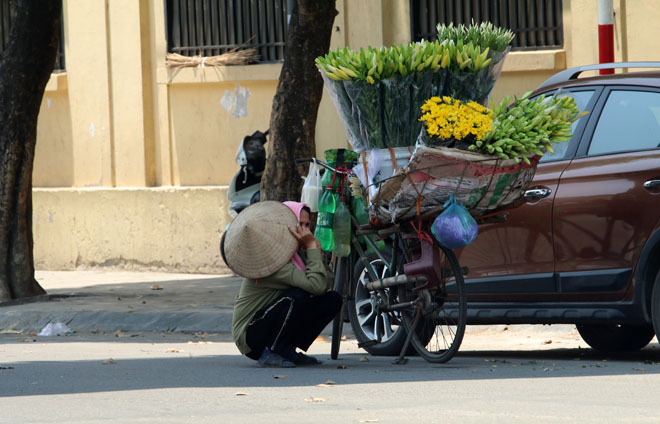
{"points": [[281, 376], [315, 400], [109, 361], [174, 351], [156, 287], [328, 383], [364, 359], [241, 394]]}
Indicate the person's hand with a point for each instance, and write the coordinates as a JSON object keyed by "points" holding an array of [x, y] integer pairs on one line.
{"points": [[305, 237]]}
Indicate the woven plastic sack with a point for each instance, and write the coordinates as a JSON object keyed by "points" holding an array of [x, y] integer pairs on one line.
{"points": [[454, 228]]}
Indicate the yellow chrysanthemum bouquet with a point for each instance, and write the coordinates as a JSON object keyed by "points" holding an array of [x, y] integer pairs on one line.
{"points": [[454, 123]]}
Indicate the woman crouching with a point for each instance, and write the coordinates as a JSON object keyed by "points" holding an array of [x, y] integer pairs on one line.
{"points": [[285, 300]]}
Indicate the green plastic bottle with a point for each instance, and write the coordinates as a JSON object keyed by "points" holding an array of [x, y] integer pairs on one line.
{"points": [[342, 231], [362, 217], [323, 231], [325, 220], [328, 176], [328, 201]]}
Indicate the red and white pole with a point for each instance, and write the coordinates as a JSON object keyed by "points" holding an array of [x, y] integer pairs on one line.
{"points": [[605, 34]]}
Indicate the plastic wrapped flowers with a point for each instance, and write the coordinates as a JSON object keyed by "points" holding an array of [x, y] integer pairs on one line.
{"points": [[449, 122]]}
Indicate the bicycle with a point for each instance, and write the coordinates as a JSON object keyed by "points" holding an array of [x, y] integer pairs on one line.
{"points": [[420, 286]]}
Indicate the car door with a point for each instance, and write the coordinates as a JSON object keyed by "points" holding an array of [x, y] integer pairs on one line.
{"points": [[516, 257], [603, 213]]}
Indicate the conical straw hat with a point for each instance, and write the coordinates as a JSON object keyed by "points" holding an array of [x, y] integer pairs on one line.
{"points": [[258, 242]]}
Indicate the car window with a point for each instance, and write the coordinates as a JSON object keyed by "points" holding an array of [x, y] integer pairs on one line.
{"points": [[560, 149], [630, 121]]}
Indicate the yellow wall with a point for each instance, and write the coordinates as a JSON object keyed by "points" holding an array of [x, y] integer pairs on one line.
{"points": [[118, 118], [161, 228], [53, 162]]}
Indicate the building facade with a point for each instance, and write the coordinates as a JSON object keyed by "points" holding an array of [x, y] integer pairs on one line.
{"points": [[133, 158]]}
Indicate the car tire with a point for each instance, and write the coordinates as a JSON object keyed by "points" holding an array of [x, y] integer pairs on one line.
{"points": [[616, 338], [655, 306], [393, 344]]}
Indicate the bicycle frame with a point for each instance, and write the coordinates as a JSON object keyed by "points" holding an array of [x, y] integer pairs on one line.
{"points": [[422, 277]]}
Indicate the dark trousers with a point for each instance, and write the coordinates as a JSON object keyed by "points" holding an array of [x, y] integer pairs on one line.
{"points": [[294, 319]]}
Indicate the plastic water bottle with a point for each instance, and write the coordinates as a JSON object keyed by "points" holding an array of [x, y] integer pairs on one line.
{"points": [[325, 220], [324, 232], [342, 231], [328, 201]]}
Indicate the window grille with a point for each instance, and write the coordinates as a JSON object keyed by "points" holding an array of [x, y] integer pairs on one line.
{"points": [[536, 23], [5, 29], [213, 27]]}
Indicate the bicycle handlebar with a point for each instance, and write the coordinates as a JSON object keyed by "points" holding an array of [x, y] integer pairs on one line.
{"points": [[323, 164]]}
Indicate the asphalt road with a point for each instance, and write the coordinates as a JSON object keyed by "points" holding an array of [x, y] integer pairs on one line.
{"points": [[529, 374]]}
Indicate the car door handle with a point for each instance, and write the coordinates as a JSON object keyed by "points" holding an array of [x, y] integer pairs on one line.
{"points": [[538, 193], [652, 185]]}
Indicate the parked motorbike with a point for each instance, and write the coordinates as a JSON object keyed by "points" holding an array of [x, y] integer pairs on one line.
{"points": [[244, 186]]}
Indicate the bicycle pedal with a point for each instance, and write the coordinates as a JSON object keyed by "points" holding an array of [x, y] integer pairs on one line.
{"points": [[368, 343]]}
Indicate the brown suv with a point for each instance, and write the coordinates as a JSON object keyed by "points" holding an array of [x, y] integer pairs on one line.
{"points": [[585, 249]]}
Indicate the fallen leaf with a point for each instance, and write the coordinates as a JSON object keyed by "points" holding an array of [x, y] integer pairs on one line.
{"points": [[109, 361], [328, 383], [341, 367], [321, 339], [343, 338], [281, 376], [547, 342], [315, 400], [241, 394], [156, 287], [638, 369], [364, 359], [174, 351]]}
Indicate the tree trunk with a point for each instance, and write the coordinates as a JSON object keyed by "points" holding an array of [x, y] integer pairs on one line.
{"points": [[25, 67], [296, 102]]}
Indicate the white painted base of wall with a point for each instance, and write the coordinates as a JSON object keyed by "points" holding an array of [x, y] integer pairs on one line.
{"points": [[174, 229]]}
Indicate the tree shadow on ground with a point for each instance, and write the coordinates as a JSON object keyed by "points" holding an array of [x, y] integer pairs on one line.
{"points": [[34, 378]]}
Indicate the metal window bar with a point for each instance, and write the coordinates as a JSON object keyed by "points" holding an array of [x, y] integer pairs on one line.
{"points": [[213, 27], [5, 30], [537, 23]]}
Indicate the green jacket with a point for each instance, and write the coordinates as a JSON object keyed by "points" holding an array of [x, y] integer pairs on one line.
{"points": [[257, 294]]}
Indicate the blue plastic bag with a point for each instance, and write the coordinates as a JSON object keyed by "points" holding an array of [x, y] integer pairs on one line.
{"points": [[454, 227]]}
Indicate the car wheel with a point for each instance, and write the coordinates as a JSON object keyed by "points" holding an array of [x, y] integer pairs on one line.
{"points": [[616, 338], [362, 312], [655, 306]]}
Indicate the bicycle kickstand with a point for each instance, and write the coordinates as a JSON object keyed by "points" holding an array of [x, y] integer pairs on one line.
{"points": [[401, 359]]}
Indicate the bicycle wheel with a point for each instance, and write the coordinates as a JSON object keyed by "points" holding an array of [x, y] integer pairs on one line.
{"points": [[340, 286], [443, 314]]}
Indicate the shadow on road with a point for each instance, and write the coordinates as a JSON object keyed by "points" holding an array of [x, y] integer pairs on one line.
{"points": [[34, 378]]}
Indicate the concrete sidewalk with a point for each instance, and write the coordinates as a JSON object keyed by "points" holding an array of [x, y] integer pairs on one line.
{"points": [[108, 300]]}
